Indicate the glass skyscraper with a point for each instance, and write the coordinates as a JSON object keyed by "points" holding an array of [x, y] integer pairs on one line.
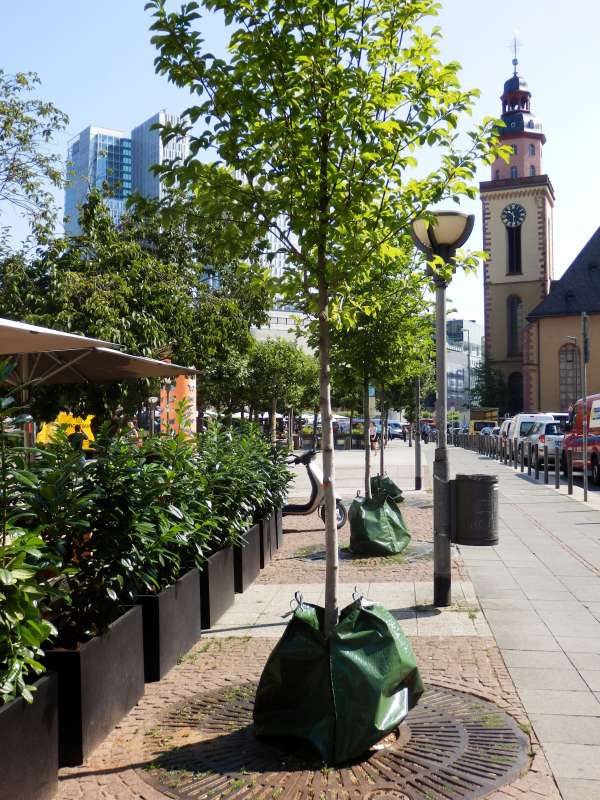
{"points": [[105, 158]]}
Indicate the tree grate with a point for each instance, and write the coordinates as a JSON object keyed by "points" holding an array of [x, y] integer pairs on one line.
{"points": [[452, 746]]}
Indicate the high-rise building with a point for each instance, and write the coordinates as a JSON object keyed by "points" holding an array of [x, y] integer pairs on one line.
{"points": [[148, 149], [99, 157]]}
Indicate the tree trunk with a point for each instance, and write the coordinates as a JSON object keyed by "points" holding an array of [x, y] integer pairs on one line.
{"points": [[291, 428], [383, 430], [351, 426], [243, 413], [274, 421], [331, 535], [315, 423], [367, 438]]}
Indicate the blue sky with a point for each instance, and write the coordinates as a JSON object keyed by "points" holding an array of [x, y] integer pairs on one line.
{"points": [[95, 62]]}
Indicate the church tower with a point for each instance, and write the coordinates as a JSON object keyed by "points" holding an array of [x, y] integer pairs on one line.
{"points": [[517, 235]]}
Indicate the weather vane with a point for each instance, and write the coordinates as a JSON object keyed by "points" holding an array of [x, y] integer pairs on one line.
{"points": [[515, 45]]}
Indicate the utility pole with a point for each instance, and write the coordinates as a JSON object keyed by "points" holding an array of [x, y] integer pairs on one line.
{"points": [[585, 357], [418, 479]]}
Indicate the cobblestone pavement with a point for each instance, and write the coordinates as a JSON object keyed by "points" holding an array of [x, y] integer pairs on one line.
{"points": [[119, 768], [302, 558]]}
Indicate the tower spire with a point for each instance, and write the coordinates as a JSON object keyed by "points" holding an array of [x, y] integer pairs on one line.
{"points": [[515, 46]]}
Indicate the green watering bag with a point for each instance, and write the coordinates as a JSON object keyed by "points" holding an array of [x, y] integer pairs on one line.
{"points": [[377, 527], [384, 485], [343, 694]]}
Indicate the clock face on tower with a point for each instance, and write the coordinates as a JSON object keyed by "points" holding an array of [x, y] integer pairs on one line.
{"points": [[513, 215]]}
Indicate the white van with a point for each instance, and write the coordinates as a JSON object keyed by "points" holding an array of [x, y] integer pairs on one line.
{"points": [[522, 424]]}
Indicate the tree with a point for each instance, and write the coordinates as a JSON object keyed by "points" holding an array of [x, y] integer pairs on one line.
{"points": [[108, 283], [27, 127], [318, 112], [490, 388]]}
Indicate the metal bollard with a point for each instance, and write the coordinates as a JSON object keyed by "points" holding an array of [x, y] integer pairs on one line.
{"points": [[537, 462], [515, 454], [529, 457], [556, 467], [570, 470], [545, 463], [522, 457]]}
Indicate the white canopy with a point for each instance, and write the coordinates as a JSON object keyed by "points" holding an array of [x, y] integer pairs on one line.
{"points": [[21, 337]]}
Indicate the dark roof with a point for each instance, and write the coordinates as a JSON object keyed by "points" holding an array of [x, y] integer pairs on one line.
{"points": [[579, 288], [520, 121], [515, 84]]}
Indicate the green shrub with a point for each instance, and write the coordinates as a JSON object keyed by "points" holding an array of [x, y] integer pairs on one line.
{"points": [[27, 568]]}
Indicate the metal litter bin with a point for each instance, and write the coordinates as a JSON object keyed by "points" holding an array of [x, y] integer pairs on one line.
{"points": [[475, 510]]}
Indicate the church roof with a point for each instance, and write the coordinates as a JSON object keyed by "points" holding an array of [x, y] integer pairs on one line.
{"points": [[579, 288]]}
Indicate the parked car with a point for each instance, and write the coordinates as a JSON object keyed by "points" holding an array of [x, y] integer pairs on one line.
{"points": [[574, 437], [486, 431], [562, 417], [395, 430], [496, 431], [545, 434], [504, 427], [521, 425]]}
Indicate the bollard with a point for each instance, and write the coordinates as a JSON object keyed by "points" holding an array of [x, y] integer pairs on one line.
{"points": [[545, 463], [529, 457], [556, 466], [510, 449], [516, 453], [570, 470], [537, 463], [522, 457]]}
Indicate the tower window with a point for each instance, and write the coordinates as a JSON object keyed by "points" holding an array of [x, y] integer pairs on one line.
{"points": [[497, 174], [513, 172], [513, 246], [515, 149], [531, 149], [514, 325], [532, 170]]}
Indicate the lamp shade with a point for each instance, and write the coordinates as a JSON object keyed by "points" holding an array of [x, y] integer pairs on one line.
{"points": [[450, 230]]}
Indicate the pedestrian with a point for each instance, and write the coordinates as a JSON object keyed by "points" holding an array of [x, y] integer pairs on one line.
{"points": [[373, 435], [77, 438], [425, 431]]}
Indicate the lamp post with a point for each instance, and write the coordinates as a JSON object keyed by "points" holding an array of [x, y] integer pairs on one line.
{"points": [[584, 357], [152, 403], [441, 235]]}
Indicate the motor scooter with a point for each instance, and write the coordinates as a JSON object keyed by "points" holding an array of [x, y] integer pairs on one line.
{"points": [[317, 492]]}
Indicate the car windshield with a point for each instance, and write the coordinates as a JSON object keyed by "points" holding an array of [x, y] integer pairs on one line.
{"points": [[526, 427], [552, 429]]}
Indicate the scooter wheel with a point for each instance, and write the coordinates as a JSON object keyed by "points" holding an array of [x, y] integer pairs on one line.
{"points": [[341, 515]]}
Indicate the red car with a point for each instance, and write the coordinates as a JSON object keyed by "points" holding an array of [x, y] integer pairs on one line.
{"points": [[574, 437]]}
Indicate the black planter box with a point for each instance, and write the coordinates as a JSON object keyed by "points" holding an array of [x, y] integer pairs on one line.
{"points": [[266, 545], [29, 736], [217, 589], [279, 527], [246, 559], [171, 625], [97, 685]]}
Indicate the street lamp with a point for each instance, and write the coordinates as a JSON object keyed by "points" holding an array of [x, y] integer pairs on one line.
{"points": [[152, 403], [441, 235], [584, 358]]}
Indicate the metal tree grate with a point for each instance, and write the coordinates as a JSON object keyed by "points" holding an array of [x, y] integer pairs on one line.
{"points": [[452, 746]]}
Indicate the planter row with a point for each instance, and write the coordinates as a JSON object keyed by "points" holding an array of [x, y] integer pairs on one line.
{"points": [[89, 690]]}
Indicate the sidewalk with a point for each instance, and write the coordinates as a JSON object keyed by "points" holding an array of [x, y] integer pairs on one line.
{"points": [[540, 592]]}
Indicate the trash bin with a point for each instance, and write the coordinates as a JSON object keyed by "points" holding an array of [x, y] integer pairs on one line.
{"points": [[475, 510]]}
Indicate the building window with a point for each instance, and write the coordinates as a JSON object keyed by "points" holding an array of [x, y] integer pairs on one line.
{"points": [[513, 248], [513, 172], [515, 149], [532, 170], [514, 325], [497, 174], [515, 393], [568, 375], [531, 149]]}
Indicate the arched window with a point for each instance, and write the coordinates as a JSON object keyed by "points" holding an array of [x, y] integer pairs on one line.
{"points": [[569, 375], [513, 172], [532, 170], [531, 149], [497, 174], [513, 250], [515, 149], [514, 325], [515, 393]]}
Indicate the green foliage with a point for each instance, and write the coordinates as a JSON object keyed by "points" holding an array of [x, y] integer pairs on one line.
{"points": [[490, 388], [280, 371], [26, 565], [27, 127]]}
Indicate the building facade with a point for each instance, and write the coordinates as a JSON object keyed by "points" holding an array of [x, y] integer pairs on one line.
{"points": [[518, 205], [102, 157], [97, 157], [464, 353]]}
